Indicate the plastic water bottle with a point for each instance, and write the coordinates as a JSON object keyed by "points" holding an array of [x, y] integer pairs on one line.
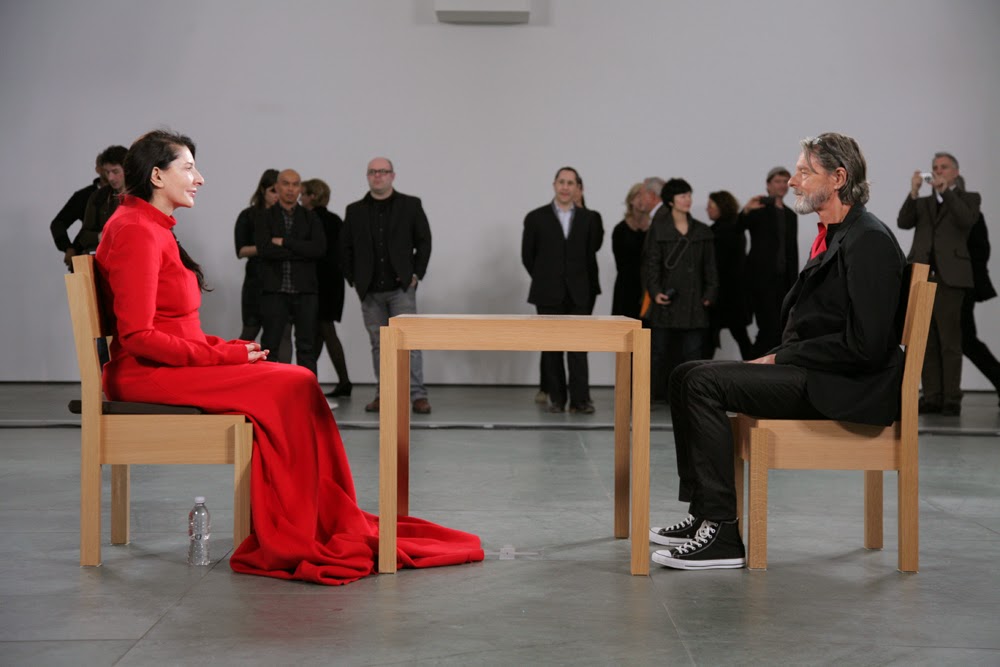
{"points": [[199, 532]]}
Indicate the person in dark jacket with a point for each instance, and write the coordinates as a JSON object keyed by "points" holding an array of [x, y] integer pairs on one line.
{"points": [[315, 197], [974, 349], [264, 197], [385, 247], [627, 240], [941, 223], [74, 209], [732, 310], [559, 245], [290, 240], [839, 356], [679, 272], [773, 260], [104, 201]]}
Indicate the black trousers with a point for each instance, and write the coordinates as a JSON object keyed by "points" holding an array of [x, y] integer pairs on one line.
{"points": [[553, 370], [700, 394], [941, 375], [275, 311], [975, 349]]}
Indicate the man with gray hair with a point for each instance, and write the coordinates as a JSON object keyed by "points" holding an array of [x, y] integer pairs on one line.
{"points": [[942, 222], [839, 356]]}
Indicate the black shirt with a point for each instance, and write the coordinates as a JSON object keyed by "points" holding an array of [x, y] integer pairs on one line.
{"points": [[385, 278]]}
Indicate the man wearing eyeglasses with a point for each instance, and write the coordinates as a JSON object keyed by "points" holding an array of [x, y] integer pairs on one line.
{"points": [[385, 247]]}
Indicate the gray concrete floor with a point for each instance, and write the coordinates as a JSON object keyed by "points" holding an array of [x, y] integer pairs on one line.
{"points": [[536, 484]]}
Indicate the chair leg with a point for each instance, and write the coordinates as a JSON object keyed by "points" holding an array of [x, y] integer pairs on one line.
{"points": [[120, 493], [242, 456], [739, 471], [90, 497], [873, 509], [909, 519], [759, 447]]}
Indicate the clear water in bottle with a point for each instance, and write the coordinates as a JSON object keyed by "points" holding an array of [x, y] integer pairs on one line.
{"points": [[199, 532]]}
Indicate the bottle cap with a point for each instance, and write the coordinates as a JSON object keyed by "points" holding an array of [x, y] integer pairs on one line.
{"points": [[199, 500]]}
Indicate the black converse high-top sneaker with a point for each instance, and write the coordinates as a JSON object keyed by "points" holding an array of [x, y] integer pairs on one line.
{"points": [[677, 534], [716, 546]]}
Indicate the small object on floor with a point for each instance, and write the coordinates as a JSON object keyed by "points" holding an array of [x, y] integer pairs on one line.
{"points": [[677, 534], [332, 403], [556, 409], [716, 546], [343, 389], [583, 408], [373, 406], [422, 406], [925, 407], [951, 410], [541, 397]]}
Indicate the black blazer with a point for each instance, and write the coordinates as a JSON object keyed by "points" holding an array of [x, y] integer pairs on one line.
{"points": [[561, 266], [762, 265], [842, 323], [302, 247], [979, 255], [328, 273], [409, 241], [942, 230]]}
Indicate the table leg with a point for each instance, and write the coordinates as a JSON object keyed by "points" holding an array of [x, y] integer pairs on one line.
{"points": [[388, 443], [623, 415], [640, 452], [403, 432]]}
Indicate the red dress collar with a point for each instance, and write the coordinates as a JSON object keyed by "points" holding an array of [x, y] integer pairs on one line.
{"points": [[149, 211]]}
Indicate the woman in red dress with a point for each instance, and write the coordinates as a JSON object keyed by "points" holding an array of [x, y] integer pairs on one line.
{"points": [[306, 522]]}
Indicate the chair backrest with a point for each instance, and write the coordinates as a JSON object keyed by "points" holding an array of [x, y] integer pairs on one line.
{"points": [[919, 306], [85, 313]]}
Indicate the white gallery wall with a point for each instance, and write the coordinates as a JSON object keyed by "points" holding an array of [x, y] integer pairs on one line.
{"points": [[476, 119]]}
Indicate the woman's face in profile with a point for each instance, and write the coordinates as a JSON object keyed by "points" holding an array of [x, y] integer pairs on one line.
{"points": [[712, 210], [270, 197], [179, 182]]}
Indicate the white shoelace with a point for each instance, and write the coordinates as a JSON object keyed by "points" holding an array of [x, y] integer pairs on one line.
{"points": [[701, 538], [686, 523]]}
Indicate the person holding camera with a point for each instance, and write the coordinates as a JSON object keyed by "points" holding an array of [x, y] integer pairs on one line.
{"points": [[679, 272], [941, 222], [773, 261]]}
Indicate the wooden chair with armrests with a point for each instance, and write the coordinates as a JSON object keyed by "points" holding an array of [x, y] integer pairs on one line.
{"points": [[766, 444], [122, 434]]}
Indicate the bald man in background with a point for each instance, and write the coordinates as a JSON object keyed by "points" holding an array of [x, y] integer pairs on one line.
{"points": [[289, 240]]}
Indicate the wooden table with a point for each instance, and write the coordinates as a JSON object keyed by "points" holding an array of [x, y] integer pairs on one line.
{"points": [[622, 335]]}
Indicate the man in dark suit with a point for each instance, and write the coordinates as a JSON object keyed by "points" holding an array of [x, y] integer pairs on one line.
{"points": [[289, 241], [559, 249], [942, 222], [385, 248], [772, 264], [839, 356]]}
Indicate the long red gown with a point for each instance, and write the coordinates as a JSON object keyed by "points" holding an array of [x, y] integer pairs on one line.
{"points": [[306, 521]]}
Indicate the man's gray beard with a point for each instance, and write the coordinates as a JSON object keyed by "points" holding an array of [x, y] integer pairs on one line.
{"points": [[805, 204]]}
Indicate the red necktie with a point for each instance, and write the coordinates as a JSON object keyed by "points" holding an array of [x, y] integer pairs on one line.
{"points": [[819, 245]]}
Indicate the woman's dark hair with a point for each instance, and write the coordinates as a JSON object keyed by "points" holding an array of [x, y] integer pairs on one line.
{"points": [[267, 181], [729, 208], [158, 149], [318, 188], [672, 188]]}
